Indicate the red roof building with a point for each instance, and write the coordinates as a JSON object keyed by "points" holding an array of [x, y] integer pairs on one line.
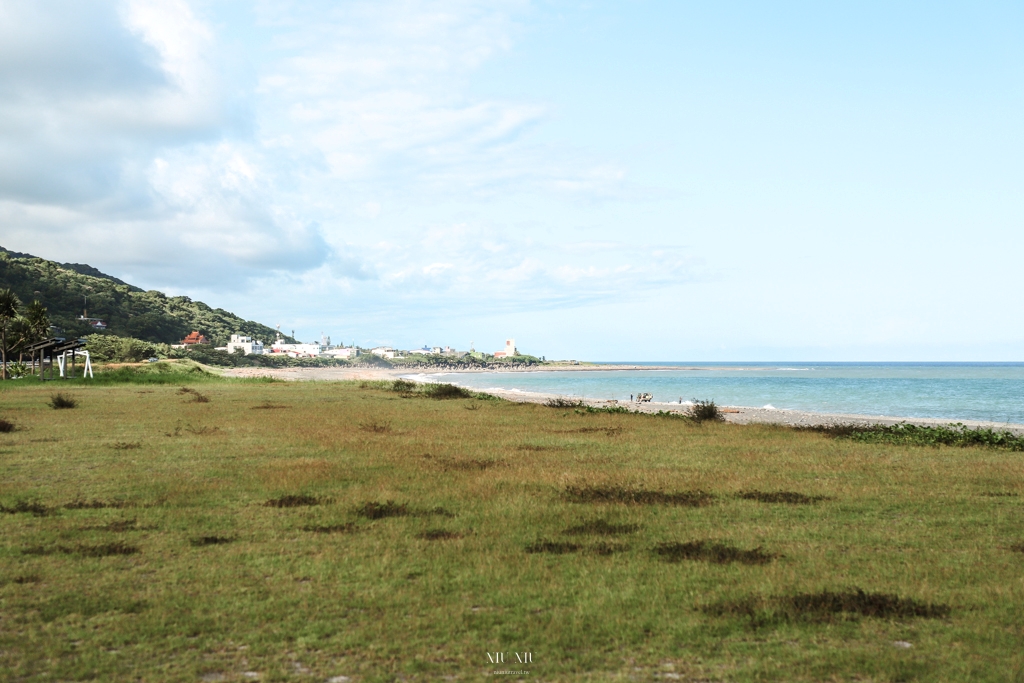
{"points": [[194, 338]]}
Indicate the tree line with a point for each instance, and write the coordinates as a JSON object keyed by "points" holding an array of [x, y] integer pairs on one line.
{"points": [[20, 327]]}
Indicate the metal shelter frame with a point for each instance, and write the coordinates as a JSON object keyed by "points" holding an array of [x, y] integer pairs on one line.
{"points": [[58, 349]]}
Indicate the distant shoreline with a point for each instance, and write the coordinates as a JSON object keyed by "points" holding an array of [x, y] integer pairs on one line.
{"points": [[733, 414]]}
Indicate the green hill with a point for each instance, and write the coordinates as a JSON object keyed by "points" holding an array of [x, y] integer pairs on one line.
{"points": [[68, 289]]}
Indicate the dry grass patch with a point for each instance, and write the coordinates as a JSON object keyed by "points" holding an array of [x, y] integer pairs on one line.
{"points": [[84, 550], [439, 535], [96, 504], [295, 501], [375, 510], [788, 497], [376, 426], [709, 551], [636, 496], [297, 473], [194, 395], [601, 527], [31, 507], [827, 606], [553, 547], [346, 528], [119, 525]]}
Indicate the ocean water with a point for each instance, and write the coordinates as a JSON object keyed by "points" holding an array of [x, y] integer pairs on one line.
{"points": [[956, 391]]}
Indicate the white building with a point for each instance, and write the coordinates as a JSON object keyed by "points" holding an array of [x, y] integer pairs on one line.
{"points": [[247, 345], [384, 352], [298, 350], [350, 352], [509, 351]]}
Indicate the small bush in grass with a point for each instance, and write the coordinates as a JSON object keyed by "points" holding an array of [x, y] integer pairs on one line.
{"points": [[330, 528], [403, 385], [210, 540], [196, 396], [61, 400], [601, 527], [439, 535], [6, 427], [375, 426], [826, 606], [563, 402], [705, 411], [706, 551], [446, 391], [788, 497], [636, 496], [294, 501], [552, 547], [374, 510]]}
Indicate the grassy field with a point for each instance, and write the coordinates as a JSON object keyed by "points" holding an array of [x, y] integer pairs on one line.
{"points": [[327, 531]]}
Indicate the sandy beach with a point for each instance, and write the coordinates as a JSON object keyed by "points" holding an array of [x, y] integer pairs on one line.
{"points": [[734, 414]]}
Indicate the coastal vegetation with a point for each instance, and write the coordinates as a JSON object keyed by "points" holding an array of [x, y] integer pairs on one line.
{"points": [[917, 435], [67, 290], [370, 532]]}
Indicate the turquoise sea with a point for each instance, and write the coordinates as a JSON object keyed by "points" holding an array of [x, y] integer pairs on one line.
{"points": [[957, 391]]}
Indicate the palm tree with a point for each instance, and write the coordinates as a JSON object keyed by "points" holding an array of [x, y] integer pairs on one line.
{"points": [[38, 322], [9, 305]]}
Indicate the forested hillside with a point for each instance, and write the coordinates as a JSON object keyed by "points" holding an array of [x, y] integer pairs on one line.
{"points": [[68, 289]]}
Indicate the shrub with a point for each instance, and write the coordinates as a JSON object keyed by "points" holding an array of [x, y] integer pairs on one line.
{"points": [[294, 501], [196, 396], [375, 426], [913, 435], [403, 385], [6, 426], [446, 391], [60, 400], [108, 347], [563, 402], [702, 411]]}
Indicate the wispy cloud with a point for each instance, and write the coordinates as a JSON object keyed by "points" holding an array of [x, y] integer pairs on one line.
{"points": [[128, 139]]}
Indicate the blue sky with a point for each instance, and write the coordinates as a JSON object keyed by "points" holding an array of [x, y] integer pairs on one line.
{"points": [[630, 180]]}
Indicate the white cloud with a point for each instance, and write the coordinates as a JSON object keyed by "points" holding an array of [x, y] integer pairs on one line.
{"points": [[446, 267], [127, 140]]}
